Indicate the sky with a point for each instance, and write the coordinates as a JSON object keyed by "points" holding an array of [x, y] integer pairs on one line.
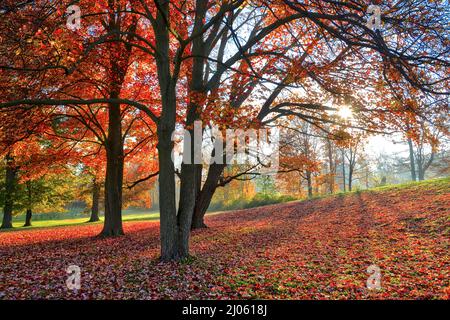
{"points": [[380, 144]]}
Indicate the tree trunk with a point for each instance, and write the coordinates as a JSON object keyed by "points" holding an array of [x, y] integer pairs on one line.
{"points": [[175, 228], [29, 213], [411, 160], [114, 174], [28, 216], [206, 194], [188, 189], [190, 177], [367, 177], [309, 181], [10, 180], [421, 174], [191, 174], [95, 202], [330, 166], [316, 187], [168, 215], [350, 178], [343, 171], [166, 126]]}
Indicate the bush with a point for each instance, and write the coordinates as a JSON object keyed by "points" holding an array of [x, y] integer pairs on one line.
{"points": [[257, 201]]}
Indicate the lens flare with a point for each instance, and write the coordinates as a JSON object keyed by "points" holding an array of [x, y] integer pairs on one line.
{"points": [[345, 112]]}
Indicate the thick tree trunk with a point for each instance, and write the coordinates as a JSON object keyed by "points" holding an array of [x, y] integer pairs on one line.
{"points": [[175, 228], [10, 180], [190, 178], [206, 194], [166, 126], [95, 202], [114, 174], [168, 215], [412, 163], [187, 202]]}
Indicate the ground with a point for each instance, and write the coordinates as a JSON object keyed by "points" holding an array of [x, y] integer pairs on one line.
{"points": [[317, 249], [18, 221]]}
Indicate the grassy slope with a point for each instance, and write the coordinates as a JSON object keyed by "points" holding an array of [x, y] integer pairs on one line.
{"points": [[18, 223], [315, 249]]}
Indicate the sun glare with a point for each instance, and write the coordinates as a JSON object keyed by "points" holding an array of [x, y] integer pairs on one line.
{"points": [[345, 112]]}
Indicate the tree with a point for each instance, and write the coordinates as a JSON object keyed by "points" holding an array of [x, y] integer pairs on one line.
{"points": [[428, 139], [9, 192], [331, 156], [27, 158], [49, 193], [352, 153], [422, 120], [300, 151], [189, 50]]}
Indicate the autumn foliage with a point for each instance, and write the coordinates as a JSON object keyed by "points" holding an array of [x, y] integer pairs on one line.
{"points": [[317, 249], [105, 99]]}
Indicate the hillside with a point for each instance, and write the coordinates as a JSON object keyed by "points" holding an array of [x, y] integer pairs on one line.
{"points": [[315, 249]]}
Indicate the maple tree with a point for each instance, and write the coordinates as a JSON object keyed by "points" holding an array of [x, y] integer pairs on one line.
{"points": [[142, 68], [27, 157], [118, 130]]}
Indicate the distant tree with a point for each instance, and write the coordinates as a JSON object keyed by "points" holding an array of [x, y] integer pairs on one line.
{"points": [[427, 146], [331, 155], [299, 151], [265, 185], [49, 193], [353, 153]]}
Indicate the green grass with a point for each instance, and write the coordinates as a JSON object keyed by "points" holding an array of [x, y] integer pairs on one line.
{"points": [[435, 184], [19, 221], [439, 183]]}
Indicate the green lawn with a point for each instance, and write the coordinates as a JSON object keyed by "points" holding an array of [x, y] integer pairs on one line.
{"points": [[19, 221]]}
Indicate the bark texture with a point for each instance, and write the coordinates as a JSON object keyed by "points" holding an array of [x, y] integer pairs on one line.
{"points": [[114, 175], [10, 181]]}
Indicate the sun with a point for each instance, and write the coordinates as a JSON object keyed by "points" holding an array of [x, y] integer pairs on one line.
{"points": [[345, 112]]}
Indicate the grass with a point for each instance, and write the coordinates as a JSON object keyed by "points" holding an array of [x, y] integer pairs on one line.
{"points": [[438, 183], [18, 223], [441, 183], [258, 200]]}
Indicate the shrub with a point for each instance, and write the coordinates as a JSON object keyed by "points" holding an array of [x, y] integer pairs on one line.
{"points": [[257, 201]]}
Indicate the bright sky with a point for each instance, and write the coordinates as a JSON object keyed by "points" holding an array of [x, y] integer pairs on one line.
{"points": [[385, 145]]}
